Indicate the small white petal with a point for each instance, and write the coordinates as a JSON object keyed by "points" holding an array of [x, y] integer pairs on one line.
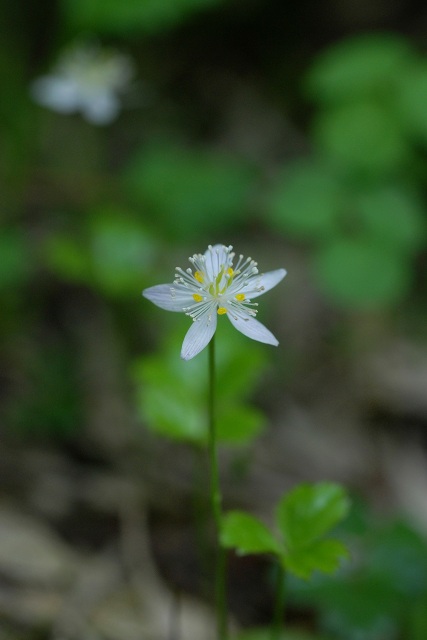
{"points": [[57, 93], [198, 336], [101, 108], [252, 328], [161, 295], [265, 282], [216, 257]]}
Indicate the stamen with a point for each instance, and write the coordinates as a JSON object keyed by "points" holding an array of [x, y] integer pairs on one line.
{"points": [[197, 297], [221, 311], [240, 297]]}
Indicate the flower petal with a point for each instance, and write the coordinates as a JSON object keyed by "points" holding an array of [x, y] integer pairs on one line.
{"points": [[252, 328], [161, 295], [198, 336], [263, 283], [217, 257]]}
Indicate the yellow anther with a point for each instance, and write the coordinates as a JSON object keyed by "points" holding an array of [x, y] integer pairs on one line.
{"points": [[199, 277], [240, 297], [230, 272], [221, 311], [197, 297]]}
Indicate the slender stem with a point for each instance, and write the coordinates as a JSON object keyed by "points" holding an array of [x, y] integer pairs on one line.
{"points": [[279, 608], [220, 560]]}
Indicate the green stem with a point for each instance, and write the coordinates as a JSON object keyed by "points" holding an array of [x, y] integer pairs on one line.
{"points": [[279, 608], [220, 560]]}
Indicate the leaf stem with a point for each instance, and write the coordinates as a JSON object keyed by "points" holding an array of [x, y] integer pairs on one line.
{"points": [[216, 500], [279, 608]]}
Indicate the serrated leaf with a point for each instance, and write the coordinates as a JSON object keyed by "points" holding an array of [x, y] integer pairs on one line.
{"points": [[361, 273], [307, 201], [310, 511], [321, 555], [367, 65], [364, 136], [247, 534]]}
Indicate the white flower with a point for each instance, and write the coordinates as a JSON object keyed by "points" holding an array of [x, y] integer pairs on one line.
{"points": [[88, 79], [216, 287]]}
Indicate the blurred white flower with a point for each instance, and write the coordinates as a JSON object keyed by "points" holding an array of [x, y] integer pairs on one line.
{"points": [[86, 79], [217, 288]]}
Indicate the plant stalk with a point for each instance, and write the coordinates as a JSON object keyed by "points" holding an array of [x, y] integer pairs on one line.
{"points": [[216, 502], [279, 608]]}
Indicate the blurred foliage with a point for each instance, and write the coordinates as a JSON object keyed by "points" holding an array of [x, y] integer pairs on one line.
{"points": [[118, 17], [171, 394], [112, 252], [99, 214], [358, 201], [189, 191], [304, 516], [382, 591]]}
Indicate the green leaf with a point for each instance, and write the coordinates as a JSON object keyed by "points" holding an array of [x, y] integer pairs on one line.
{"points": [[239, 424], [393, 216], [121, 251], [363, 66], [307, 201], [119, 17], [321, 555], [67, 258], [363, 136], [286, 634], [360, 273], [189, 191], [171, 394], [247, 534], [15, 263], [310, 511], [412, 100]]}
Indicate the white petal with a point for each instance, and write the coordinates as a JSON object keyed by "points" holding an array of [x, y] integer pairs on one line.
{"points": [[252, 329], [161, 295], [216, 257], [265, 281], [101, 108], [198, 336], [55, 92]]}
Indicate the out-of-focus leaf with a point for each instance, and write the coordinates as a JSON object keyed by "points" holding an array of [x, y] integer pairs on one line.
{"points": [[288, 634], [239, 424], [67, 258], [368, 65], [15, 263], [121, 17], [307, 201], [393, 217], [171, 394], [121, 251], [364, 136], [361, 273], [361, 607], [189, 191], [247, 534], [412, 99], [418, 620]]}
